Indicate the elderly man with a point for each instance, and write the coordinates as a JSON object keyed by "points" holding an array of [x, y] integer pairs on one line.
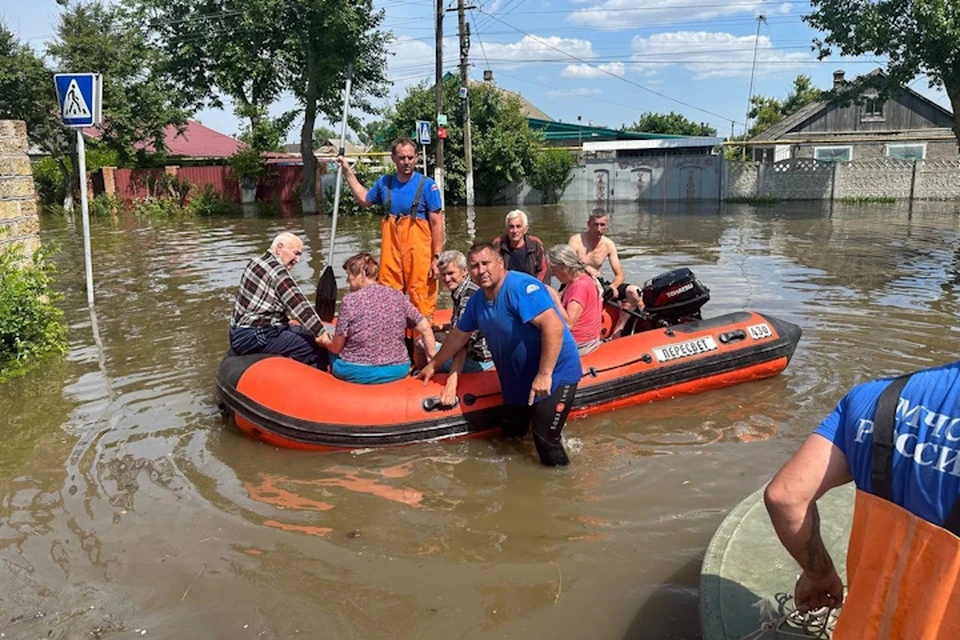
{"points": [[521, 251], [594, 248], [267, 299], [412, 230], [534, 352], [475, 357], [898, 441]]}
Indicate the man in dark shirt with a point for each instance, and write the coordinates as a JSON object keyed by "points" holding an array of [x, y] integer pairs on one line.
{"points": [[521, 251], [267, 299]]}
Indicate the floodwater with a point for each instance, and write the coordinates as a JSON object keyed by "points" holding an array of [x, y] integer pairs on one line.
{"points": [[129, 508]]}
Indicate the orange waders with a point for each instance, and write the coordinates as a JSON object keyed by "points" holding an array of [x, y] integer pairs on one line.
{"points": [[903, 572], [406, 251]]}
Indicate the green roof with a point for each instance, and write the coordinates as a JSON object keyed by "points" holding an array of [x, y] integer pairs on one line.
{"points": [[568, 131]]}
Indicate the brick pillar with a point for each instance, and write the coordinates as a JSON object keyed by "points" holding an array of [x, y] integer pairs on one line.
{"points": [[109, 180], [19, 223]]}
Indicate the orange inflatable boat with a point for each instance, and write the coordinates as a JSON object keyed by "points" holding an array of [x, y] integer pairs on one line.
{"points": [[288, 404]]}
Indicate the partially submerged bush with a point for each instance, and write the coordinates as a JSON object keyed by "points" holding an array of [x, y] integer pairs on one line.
{"points": [[31, 326]]}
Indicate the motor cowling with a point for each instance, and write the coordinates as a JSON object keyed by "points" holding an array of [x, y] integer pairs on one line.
{"points": [[674, 297]]}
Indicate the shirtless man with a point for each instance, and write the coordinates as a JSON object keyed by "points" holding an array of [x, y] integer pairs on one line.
{"points": [[593, 247]]}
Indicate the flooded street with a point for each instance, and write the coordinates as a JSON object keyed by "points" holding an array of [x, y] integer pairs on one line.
{"points": [[129, 508]]}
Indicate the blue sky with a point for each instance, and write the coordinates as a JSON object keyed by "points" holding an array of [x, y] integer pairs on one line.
{"points": [[604, 60]]}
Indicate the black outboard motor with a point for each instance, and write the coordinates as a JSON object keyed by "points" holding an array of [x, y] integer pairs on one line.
{"points": [[674, 297]]}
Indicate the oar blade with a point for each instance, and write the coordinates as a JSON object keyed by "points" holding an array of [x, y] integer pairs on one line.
{"points": [[327, 295]]}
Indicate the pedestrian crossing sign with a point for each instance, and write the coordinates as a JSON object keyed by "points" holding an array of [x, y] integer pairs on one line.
{"points": [[423, 132], [80, 96]]}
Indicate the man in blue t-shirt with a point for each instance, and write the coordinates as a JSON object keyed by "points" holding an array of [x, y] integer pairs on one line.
{"points": [[534, 352], [412, 229], [899, 441]]}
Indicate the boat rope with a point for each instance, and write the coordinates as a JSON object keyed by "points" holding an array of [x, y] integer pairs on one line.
{"points": [[784, 621]]}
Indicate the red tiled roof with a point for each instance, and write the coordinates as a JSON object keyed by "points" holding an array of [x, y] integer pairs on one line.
{"points": [[196, 141]]}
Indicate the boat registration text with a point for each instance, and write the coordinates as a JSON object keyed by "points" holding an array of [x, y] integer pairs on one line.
{"points": [[685, 349], [759, 331]]}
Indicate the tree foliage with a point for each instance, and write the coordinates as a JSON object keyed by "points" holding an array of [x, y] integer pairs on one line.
{"points": [[766, 111], [503, 144], [675, 124], [915, 36], [552, 173], [254, 51]]}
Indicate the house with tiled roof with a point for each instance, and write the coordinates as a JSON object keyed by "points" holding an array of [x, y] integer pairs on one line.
{"points": [[195, 142]]}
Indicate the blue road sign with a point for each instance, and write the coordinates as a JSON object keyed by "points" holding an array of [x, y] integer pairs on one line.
{"points": [[79, 95], [423, 131]]}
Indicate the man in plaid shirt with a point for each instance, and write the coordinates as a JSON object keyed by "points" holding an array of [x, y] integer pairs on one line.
{"points": [[267, 299]]}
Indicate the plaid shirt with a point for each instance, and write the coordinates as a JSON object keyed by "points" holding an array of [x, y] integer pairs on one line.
{"points": [[268, 296]]}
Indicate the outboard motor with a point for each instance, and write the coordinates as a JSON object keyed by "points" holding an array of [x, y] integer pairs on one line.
{"points": [[673, 297]]}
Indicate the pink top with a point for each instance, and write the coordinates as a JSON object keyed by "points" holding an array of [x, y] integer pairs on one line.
{"points": [[374, 321], [590, 322]]}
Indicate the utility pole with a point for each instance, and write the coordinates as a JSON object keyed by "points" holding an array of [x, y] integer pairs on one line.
{"points": [[438, 92], [756, 46], [464, 30]]}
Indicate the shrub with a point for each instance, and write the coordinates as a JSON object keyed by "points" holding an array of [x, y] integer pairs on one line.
{"points": [[48, 181], [31, 326], [209, 202], [551, 173], [367, 174], [247, 163], [105, 205]]}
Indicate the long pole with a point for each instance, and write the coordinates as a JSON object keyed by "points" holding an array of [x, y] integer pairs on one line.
{"points": [[438, 94], [465, 92], [753, 72], [85, 216], [340, 152]]}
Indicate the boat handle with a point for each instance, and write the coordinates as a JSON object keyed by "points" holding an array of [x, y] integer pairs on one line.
{"points": [[433, 403], [732, 336]]}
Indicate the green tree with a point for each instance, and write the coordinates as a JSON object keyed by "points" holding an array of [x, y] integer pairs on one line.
{"points": [[766, 111], [27, 93], [552, 173], [675, 124], [322, 134], [915, 36], [256, 50], [504, 147], [373, 133]]}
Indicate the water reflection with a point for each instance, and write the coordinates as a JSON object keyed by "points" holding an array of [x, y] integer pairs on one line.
{"points": [[122, 490]]}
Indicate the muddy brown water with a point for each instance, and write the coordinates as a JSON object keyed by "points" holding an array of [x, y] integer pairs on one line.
{"points": [[128, 508]]}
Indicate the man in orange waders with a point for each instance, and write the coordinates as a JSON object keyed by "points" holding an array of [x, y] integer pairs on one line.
{"points": [[899, 441], [412, 227]]}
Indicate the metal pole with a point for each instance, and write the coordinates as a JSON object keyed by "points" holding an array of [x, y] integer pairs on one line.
{"points": [[753, 71], [438, 94], [85, 216], [340, 152], [467, 148]]}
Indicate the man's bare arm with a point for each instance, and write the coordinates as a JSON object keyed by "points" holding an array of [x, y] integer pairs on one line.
{"points": [[791, 500], [358, 190], [615, 265]]}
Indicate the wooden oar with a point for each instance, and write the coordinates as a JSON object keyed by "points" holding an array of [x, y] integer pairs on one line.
{"points": [[327, 285]]}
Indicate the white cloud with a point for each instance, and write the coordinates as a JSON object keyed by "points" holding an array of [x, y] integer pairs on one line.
{"points": [[784, 8], [713, 55], [596, 71], [537, 48], [579, 91], [616, 15]]}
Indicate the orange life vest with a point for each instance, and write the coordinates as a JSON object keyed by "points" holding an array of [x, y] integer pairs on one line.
{"points": [[903, 572]]}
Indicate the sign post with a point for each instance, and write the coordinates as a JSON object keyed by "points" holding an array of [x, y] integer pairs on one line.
{"points": [[80, 96], [423, 137]]}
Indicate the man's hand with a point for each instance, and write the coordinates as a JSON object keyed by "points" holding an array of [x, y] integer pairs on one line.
{"points": [[449, 396], [324, 340], [540, 387], [427, 372], [434, 269], [344, 164], [814, 592]]}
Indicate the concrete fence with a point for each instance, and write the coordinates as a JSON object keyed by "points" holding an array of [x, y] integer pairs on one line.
{"points": [[809, 179], [19, 224]]}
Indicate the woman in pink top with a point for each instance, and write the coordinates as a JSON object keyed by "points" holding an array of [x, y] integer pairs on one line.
{"points": [[581, 304]]}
